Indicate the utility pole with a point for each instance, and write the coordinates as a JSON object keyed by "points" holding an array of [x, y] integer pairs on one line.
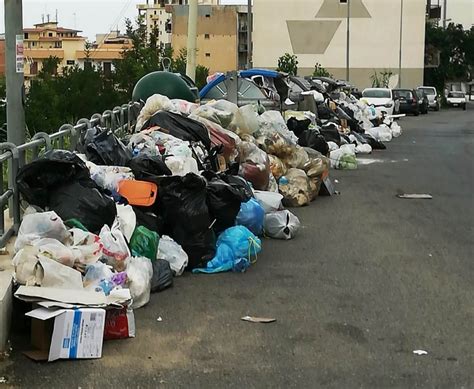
{"points": [[445, 9], [348, 38], [249, 34], [400, 49], [14, 71], [192, 36]]}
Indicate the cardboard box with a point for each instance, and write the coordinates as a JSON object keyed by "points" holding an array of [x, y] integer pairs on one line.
{"points": [[76, 333]]}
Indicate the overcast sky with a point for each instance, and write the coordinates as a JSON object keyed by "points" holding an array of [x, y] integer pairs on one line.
{"points": [[90, 16]]}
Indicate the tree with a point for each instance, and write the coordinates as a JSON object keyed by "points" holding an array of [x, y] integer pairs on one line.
{"points": [[288, 63], [179, 66], [319, 71], [456, 54]]}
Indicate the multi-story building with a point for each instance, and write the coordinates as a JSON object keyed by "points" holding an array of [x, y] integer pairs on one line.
{"points": [[106, 49], [221, 35], [2, 54], [457, 12], [316, 31], [46, 40]]}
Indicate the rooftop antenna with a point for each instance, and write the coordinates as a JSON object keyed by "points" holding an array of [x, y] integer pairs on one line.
{"points": [[56, 15], [47, 17], [42, 18]]}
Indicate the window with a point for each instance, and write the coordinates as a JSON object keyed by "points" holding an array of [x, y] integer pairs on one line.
{"points": [[50, 34], [377, 93], [34, 68], [33, 44], [155, 12], [58, 45], [88, 65], [206, 36], [26, 35], [208, 54], [208, 16], [343, 1], [107, 68], [70, 62]]}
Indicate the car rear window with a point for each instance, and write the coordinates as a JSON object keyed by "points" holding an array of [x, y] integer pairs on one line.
{"points": [[407, 94], [428, 91], [376, 93], [456, 94]]}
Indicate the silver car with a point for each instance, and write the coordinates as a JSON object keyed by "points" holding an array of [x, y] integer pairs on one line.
{"points": [[432, 94]]}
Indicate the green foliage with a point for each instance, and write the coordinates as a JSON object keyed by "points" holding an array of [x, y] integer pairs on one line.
{"points": [[179, 66], [288, 63], [456, 54], [319, 71], [382, 79]]}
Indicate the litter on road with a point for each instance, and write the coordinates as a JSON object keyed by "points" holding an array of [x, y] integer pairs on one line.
{"points": [[415, 196], [194, 188], [420, 352]]}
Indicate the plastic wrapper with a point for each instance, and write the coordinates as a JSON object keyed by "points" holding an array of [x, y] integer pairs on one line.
{"points": [[173, 253], [254, 165], [281, 225], [251, 216], [108, 177], [139, 275], [142, 143], [144, 243], [295, 188], [235, 248], [153, 104], [183, 106], [115, 250], [277, 167]]}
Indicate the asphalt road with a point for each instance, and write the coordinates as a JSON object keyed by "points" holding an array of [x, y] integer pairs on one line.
{"points": [[369, 279]]}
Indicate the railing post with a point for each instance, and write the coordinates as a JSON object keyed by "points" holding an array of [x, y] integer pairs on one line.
{"points": [[14, 203]]}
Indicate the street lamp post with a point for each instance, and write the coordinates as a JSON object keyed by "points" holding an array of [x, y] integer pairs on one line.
{"points": [[348, 38], [401, 44], [191, 42]]}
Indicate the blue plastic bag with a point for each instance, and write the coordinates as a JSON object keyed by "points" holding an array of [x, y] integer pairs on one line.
{"points": [[251, 215], [235, 248]]}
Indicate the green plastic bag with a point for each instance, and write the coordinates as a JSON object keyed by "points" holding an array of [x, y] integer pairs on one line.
{"points": [[348, 161], [74, 223], [144, 243]]}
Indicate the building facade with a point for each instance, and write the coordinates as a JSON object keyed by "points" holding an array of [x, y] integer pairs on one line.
{"points": [[47, 40], [316, 31], [2, 54], [457, 12], [221, 35]]}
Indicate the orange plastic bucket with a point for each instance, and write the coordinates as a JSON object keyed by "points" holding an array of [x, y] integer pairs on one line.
{"points": [[141, 193]]}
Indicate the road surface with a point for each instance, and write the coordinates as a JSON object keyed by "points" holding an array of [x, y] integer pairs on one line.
{"points": [[369, 279]]}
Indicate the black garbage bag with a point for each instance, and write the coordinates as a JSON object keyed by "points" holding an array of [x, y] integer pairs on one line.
{"points": [[223, 201], [162, 275], [104, 148], [144, 165], [330, 133], [147, 218], [240, 184], [324, 112], [37, 179], [83, 200], [182, 203], [374, 143], [180, 126], [313, 139], [298, 126]]}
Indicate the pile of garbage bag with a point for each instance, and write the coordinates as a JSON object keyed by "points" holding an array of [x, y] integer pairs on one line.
{"points": [[193, 188]]}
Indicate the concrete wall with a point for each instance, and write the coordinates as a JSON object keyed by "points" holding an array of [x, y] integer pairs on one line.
{"points": [[218, 49], [315, 30]]}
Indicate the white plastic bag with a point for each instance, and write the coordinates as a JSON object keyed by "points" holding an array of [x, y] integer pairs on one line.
{"points": [[271, 121], [126, 220], [108, 177], [51, 274], [180, 166], [54, 249], [40, 225], [172, 252], [86, 246], [139, 273], [396, 130], [270, 201], [115, 249], [153, 104], [183, 106], [332, 146], [24, 262], [363, 148], [245, 120], [281, 225], [382, 133]]}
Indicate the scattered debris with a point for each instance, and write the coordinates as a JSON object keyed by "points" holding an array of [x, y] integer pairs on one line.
{"points": [[3, 380], [430, 255], [254, 319], [418, 196], [336, 181], [159, 318], [420, 352]]}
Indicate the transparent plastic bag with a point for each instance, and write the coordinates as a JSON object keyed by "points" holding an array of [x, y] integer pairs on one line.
{"points": [[98, 278], [221, 117], [40, 225], [172, 252], [277, 167], [153, 104], [270, 201], [139, 273], [297, 159], [245, 120], [86, 246], [108, 177], [295, 188], [115, 250], [183, 106], [272, 121], [254, 165], [54, 249], [281, 225]]}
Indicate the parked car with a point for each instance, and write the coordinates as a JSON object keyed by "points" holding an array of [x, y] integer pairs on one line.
{"points": [[433, 98], [423, 101], [456, 99], [382, 99], [408, 101], [255, 86]]}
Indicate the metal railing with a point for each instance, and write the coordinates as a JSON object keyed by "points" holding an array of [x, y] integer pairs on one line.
{"points": [[121, 120]]}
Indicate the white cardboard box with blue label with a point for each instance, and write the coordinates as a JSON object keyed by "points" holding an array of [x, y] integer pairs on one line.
{"points": [[77, 333]]}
